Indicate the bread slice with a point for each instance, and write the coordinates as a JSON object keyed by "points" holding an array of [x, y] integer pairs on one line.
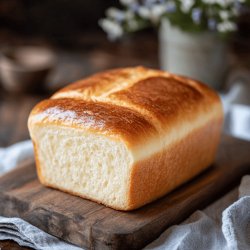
{"points": [[125, 137]]}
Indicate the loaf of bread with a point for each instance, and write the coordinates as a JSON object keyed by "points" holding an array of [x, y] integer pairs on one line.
{"points": [[125, 137]]}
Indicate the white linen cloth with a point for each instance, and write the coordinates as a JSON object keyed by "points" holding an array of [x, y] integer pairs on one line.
{"points": [[11, 156], [27, 235], [223, 225]]}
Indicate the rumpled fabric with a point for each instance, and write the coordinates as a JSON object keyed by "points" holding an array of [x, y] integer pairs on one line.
{"points": [[30, 236], [224, 225], [14, 154]]}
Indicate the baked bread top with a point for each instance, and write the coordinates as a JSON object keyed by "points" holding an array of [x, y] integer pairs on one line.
{"points": [[135, 104]]}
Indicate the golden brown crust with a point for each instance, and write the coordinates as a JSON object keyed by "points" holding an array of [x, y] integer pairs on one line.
{"points": [[117, 122], [106, 81], [132, 103], [163, 99]]}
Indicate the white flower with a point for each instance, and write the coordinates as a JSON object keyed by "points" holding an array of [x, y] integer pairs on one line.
{"points": [[226, 26], [170, 6], [115, 13], [129, 14], [196, 15], [186, 5], [149, 3], [127, 2], [224, 14], [154, 14], [113, 29], [212, 24], [144, 12], [222, 3], [218, 14], [157, 11]]}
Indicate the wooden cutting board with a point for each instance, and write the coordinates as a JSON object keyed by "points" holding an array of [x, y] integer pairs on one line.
{"points": [[94, 226]]}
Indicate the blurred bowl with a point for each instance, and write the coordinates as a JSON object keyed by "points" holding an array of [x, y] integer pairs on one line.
{"points": [[25, 68]]}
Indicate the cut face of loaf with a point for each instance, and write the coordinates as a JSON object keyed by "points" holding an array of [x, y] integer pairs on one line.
{"points": [[125, 137]]}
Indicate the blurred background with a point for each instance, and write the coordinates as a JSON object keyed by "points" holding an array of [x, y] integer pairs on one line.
{"points": [[66, 43]]}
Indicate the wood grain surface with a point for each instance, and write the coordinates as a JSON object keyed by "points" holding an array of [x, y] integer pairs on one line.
{"points": [[95, 226]]}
